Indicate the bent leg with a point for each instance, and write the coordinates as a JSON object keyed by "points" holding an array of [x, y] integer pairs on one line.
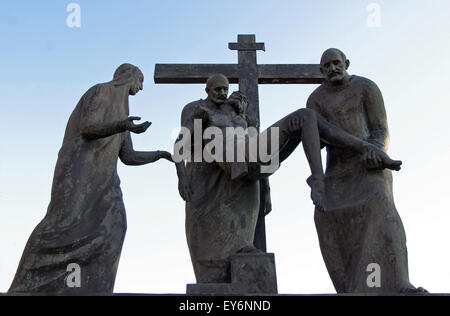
{"points": [[340, 138], [308, 133], [301, 126]]}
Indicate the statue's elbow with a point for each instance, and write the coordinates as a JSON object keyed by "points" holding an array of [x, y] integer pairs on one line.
{"points": [[127, 161], [88, 135], [87, 132]]}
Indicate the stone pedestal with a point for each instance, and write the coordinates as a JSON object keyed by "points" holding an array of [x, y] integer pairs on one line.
{"points": [[250, 274], [255, 273]]}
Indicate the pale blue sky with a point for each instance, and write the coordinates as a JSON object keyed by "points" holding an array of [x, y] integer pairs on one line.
{"points": [[47, 66]]}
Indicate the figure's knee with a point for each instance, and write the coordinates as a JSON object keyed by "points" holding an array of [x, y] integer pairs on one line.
{"points": [[306, 114]]}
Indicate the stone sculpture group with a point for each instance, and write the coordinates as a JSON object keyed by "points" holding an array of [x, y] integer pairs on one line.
{"points": [[355, 215]]}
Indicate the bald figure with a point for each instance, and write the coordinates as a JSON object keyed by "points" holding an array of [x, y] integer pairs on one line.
{"points": [[221, 213], [362, 225], [223, 208]]}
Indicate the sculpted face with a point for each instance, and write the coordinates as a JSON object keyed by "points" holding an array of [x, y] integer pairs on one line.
{"points": [[137, 84], [129, 76], [217, 89], [239, 102], [334, 66]]}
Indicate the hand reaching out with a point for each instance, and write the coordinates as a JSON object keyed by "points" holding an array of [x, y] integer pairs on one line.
{"points": [[129, 125], [166, 155]]}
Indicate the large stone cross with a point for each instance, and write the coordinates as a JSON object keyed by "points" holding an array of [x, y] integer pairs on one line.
{"points": [[248, 74]]}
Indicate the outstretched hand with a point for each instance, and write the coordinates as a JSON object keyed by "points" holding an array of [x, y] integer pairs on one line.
{"points": [[137, 129], [165, 155]]}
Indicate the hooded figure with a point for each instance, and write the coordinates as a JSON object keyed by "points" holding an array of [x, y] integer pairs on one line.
{"points": [[85, 222]]}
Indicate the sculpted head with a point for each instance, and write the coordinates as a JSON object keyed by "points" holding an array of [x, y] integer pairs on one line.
{"points": [[334, 65], [131, 76], [217, 88], [239, 101]]}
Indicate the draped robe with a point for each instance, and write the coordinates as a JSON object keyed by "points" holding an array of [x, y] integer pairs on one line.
{"points": [[85, 222], [221, 216], [362, 225]]}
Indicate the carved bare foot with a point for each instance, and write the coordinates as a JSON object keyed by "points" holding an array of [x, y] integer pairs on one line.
{"points": [[395, 165], [317, 184], [387, 162], [377, 159]]}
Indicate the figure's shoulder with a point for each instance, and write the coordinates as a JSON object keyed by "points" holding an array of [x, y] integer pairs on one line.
{"points": [[99, 89], [191, 110], [193, 106], [364, 83], [315, 96], [317, 91], [103, 87], [369, 90], [96, 94]]}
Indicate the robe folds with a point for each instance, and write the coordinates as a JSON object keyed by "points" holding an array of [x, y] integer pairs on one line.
{"points": [[85, 223], [361, 228], [222, 214]]}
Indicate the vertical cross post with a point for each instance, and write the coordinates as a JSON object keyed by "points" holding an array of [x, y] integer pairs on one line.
{"points": [[248, 69], [248, 84]]}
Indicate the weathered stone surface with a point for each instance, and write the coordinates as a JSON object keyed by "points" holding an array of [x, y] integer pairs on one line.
{"points": [[223, 210], [253, 273], [85, 223], [248, 74], [201, 289], [361, 226], [256, 273]]}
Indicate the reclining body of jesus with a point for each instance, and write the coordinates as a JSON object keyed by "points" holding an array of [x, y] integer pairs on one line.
{"points": [[303, 125]]}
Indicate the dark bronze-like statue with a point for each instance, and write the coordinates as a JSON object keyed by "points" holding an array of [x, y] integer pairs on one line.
{"points": [[361, 227], [85, 222], [222, 212]]}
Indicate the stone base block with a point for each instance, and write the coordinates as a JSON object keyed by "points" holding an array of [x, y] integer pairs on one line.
{"points": [[212, 289], [255, 273], [251, 274]]}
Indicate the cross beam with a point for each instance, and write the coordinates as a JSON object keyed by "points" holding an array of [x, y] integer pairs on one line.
{"points": [[248, 74], [267, 74]]}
